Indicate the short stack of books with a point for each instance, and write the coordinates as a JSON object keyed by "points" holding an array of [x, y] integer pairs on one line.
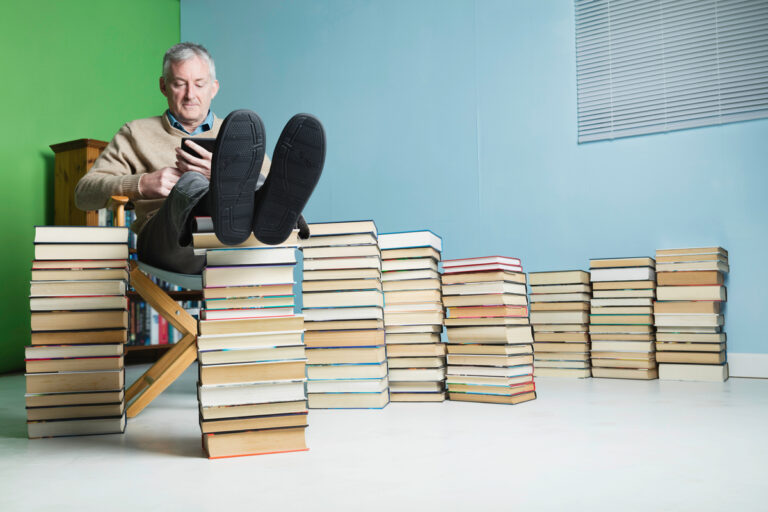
{"points": [[560, 319], [343, 308], [413, 315], [690, 340], [74, 366], [621, 318], [490, 351], [252, 361]]}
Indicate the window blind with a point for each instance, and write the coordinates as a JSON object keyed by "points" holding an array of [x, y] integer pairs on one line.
{"points": [[648, 66]]}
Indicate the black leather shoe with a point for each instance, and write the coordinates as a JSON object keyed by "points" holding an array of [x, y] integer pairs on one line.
{"points": [[237, 158], [296, 167], [303, 227]]}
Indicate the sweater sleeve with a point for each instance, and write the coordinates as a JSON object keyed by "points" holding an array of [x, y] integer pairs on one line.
{"points": [[115, 172]]}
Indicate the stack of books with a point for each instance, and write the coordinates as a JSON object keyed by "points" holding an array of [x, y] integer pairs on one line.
{"points": [[690, 337], [343, 308], [560, 319], [413, 315], [74, 366], [621, 318], [251, 355], [490, 351]]}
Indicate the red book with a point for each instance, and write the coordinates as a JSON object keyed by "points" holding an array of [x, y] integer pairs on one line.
{"points": [[482, 263], [162, 327]]}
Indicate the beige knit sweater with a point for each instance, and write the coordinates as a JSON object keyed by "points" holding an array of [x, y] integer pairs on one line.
{"points": [[141, 146]]}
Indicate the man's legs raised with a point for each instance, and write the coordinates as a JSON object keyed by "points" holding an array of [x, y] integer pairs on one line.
{"points": [[165, 241]]}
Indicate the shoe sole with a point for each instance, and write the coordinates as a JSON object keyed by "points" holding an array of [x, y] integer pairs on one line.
{"points": [[296, 167], [237, 159]]}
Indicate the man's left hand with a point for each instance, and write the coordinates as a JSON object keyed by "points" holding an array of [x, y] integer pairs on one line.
{"points": [[186, 162]]}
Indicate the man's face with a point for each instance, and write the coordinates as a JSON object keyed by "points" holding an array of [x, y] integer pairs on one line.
{"points": [[189, 90]]}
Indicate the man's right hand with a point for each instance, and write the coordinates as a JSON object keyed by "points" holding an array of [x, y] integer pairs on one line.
{"points": [[157, 184]]}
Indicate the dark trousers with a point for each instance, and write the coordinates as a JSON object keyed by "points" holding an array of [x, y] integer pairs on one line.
{"points": [[165, 240]]}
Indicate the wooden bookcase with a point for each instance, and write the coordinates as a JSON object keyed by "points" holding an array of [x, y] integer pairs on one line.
{"points": [[73, 159]]}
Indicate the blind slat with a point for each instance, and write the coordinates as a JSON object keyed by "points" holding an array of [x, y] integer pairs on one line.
{"points": [[649, 66]]}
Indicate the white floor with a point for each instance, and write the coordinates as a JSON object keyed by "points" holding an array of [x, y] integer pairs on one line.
{"points": [[592, 445]]}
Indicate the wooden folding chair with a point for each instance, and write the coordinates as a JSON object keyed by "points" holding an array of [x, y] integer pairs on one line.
{"points": [[178, 358]]}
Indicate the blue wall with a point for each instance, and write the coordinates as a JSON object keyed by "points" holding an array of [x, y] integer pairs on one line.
{"points": [[460, 117]]}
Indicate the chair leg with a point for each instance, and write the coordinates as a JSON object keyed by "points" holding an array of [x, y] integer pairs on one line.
{"points": [[161, 379], [173, 363], [160, 366]]}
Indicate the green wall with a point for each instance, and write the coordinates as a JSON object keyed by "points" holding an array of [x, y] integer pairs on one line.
{"points": [[71, 70]]}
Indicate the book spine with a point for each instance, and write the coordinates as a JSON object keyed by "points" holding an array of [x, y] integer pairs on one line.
{"points": [[162, 328]]}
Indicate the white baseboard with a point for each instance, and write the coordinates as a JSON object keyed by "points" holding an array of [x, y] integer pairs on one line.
{"points": [[748, 365]]}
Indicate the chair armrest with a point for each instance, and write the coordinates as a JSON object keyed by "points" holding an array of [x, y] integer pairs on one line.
{"points": [[117, 204]]}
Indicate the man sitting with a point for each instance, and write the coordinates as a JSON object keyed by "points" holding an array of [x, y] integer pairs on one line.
{"points": [[169, 186]]}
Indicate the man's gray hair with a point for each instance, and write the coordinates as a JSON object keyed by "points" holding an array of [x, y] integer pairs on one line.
{"points": [[185, 51]]}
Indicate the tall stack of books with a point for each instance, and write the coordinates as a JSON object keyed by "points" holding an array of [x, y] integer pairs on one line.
{"points": [[252, 361], [343, 307], [690, 337], [560, 319], [490, 351], [74, 366], [413, 315], [621, 319]]}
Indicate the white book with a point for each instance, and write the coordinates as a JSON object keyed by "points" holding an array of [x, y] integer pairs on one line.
{"points": [[339, 240], [404, 308], [691, 293], [561, 288], [343, 299], [623, 274], [634, 301], [402, 275], [251, 256], [410, 239], [252, 355], [65, 351], [409, 264], [622, 346], [426, 386], [354, 313], [237, 394], [77, 303], [76, 427], [482, 288], [81, 251], [559, 317], [346, 371], [624, 294], [342, 251], [249, 340], [342, 228], [342, 263], [694, 372], [347, 386], [560, 297], [687, 320], [488, 371], [416, 375], [81, 234], [687, 329]]}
